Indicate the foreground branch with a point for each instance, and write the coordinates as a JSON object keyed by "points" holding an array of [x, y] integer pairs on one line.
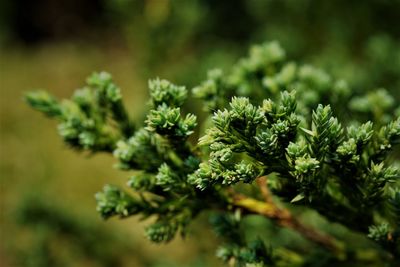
{"points": [[283, 217]]}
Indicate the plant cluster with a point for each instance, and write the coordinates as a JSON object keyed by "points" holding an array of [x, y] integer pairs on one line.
{"points": [[278, 142]]}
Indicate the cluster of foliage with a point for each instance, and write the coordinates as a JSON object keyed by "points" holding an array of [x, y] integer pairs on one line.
{"points": [[271, 146]]}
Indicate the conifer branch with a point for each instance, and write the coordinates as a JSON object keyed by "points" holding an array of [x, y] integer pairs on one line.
{"points": [[258, 126]]}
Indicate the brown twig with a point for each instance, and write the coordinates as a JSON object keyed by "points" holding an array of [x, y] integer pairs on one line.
{"points": [[282, 216], [262, 183]]}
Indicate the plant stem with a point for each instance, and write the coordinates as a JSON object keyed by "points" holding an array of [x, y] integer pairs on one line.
{"points": [[283, 217]]}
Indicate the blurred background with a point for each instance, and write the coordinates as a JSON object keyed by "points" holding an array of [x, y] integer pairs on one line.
{"points": [[48, 215]]}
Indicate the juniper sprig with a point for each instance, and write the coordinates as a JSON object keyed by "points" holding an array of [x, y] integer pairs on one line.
{"points": [[268, 118]]}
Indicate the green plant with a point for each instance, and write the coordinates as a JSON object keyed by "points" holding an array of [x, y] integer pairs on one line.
{"points": [[271, 147]]}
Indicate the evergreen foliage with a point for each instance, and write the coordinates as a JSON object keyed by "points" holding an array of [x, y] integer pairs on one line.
{"points": [[291, 132]]}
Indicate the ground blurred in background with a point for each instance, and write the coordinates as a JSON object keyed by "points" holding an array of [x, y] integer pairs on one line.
{"points": [[48, 215]]}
